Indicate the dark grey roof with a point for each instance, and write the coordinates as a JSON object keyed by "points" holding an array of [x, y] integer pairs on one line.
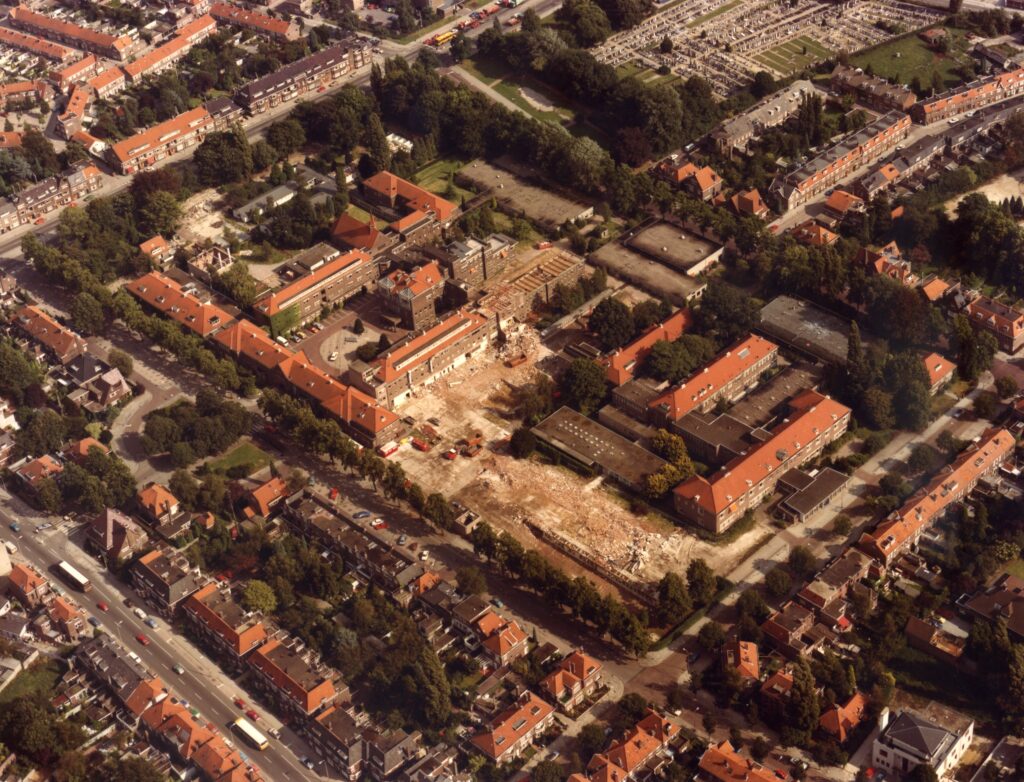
{"points": [[918, 734]]}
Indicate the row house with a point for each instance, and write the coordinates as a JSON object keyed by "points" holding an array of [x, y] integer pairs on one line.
{"points": [[148, 147], [576, 678], [422, 358], [1004, 600], [181, 304], [294, 677], [828, 593], [108, 82], [725, 378], [166, 55], [413, 295], [222, 624], [164, 579], [873, 91], [969, 97], [794, 631], [59, 343], [319, 70], [622, 363], [66, 620], [33, 45], [840, 160], [82, 69], [722, 763], [907, 162], [318, 277], [55, 192], [1002, 321], [716, 503], [21, 92], [279, 29], [902, 529], [512, 732], [116, 47], [114, 537], [28, 586]]}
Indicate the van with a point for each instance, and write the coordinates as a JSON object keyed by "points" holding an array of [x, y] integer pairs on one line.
{"points": [[11, 548], [282, 341]]}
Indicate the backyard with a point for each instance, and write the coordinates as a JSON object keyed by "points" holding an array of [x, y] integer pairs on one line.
{"points": [[40, 677], [902, 59], [243, 459], [438, 176]]}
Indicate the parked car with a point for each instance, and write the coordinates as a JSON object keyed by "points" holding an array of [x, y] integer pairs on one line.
{"points": [[402, 539], [333, 356], [424, 555], [239, 703], [102, 606], [497, 602], [139, 613], [94, 621], [178, 668], [361, 514]]}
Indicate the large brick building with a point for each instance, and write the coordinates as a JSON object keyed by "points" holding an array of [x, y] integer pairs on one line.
{"points": [[116, 47], [413, 295], [279, 29], [969, 97], [716, 503], [148, 147], [293, 676], [222, 624]]}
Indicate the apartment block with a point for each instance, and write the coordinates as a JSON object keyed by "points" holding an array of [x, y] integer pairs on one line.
{"points": [[164, 579], [1004, 322], [717, 502], [168, 54], [909, 740], [413, 208], [318, 277], [421, 358], [737, 132], [727, 377], [474, 261], [840, 160], [873, 91], [108, 82], [622, 363], [166, 296], [222, 625], [337, 735], [104, 44], [902, 529], [413, 295], [33, 45], [969, 97], [293, 676], [308, 75], [279, 29], [146, 148]]}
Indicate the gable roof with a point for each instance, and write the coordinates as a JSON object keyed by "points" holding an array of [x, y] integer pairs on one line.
{"points": [[245, 338], [512, 725], [156, 499], [722, 762], [415, 197], [268, 494], [938, 367], [355, 233], [621, 364], [274, 302], [168, 297], [839, 720], [742, 657], [748, 202], [841, 201], [26, 579], [46, 331]]}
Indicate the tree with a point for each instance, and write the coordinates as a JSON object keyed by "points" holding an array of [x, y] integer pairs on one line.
{"points": [[711, 636], [986, 404], [803, 707], [223, 158], [666, 46], [802, 562], [1006, 387], [183, 486], [523, 442], [258, 596], [590, 740], [286, 136], [547, 771], [842, 525], [470, 580], [585, 21], [159, 214], [612, 322], [377, 143], [87, 314], [701, 582], [923, 772], [672, 449], [583, 385], [130, 768], [777, 582], [876, 409], [121, 361], [358, 327], [674, 601]]}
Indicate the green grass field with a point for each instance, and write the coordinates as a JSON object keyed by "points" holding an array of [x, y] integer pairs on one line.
{"points": [[244, 457], [41, 677], [904, 58], [360, 214], [434, 177], [712, 14], [1015, 568], [793, 55], [498, 77]]}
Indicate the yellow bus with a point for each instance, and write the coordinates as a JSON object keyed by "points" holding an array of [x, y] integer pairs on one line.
{"points": [[443, 38]]}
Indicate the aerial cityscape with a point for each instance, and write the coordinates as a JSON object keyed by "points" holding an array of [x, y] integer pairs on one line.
{"points": [[512, 390]]}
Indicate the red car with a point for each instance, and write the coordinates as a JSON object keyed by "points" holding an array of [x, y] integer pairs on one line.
{"points": [[252, 715], [239, 703], [142, 639], [102, 606]]}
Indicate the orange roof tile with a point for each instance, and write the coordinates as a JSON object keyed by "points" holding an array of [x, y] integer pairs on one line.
{"points": [[738, 476], [156, 499], [723, 763], [934, 288], [232, 14], [153, 244], [742, 657], [505, 639], [706, 178], [813, 234], [996, 315], [71, 72], [10, 139], [176, 47], [39, 469], [48, 332], [104, 79], [415, 197], [310, 698], [266, 495], [273, 303], [355, 233], [938, 367], [33, 44], [419, 280], [748, 202], [840, 201], [948, 486], [79, 449], [241, 638], [838, 721], [622, 363], [159, 135], [361, 410], [705, 383], [144, 696], [26, 579], [166, 296], [245, 338], [75, 32], [512, 725]]}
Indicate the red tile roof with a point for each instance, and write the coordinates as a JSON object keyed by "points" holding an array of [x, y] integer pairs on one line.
{"points": [[153, 244], [39, 469], [145, 696], [232, 14], [749, 202], [512, 725], [355, 233], [166, 296], [268, 494], [723, 763], [841, 202], [75, 32], [245, 338], [48, 332], [934, 288], [105, 78], [159, 135], [156, 499], [939, 368], [10, 139], [186, 36], [419, 280], [421, 348], [26, 579], [309, 698], [947, 487], [273, 303], [415, 197], [71, 72], [742, 657], [33, 44], [838, 721], [705, 383], [761, 461], [622, 363]]}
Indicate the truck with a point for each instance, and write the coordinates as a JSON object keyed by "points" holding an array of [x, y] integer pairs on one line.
{"points": [[472, 450], [542, 245], [387, 449], [420, 445], [442, 38]]}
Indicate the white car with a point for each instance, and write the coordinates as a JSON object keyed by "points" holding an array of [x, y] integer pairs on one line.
{"points": [[333, 356], [424, 555], [139, 613]]}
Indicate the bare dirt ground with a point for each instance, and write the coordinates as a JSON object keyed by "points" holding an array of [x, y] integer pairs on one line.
{"points": [[507, 492], [1006, 186]]}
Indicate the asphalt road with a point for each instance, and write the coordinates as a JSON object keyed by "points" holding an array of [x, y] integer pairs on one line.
{"points": [[203, 684]]}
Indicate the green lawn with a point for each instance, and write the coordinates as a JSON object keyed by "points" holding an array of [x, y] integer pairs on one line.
{"points": [[496, 75], [360, 214], [904, 58], [922, 675], [41, 677], [434, 177], [486, 69], [793, 55], [712, 14], [246, 456], [629, 69]]}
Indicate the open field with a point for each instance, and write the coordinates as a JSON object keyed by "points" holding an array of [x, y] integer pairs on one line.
{"points": [[901, 59], [794, 55], [1006, 186], [245, 456], [435, 177]]}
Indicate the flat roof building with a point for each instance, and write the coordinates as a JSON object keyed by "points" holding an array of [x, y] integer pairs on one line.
{"points": [[807, 328]]}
